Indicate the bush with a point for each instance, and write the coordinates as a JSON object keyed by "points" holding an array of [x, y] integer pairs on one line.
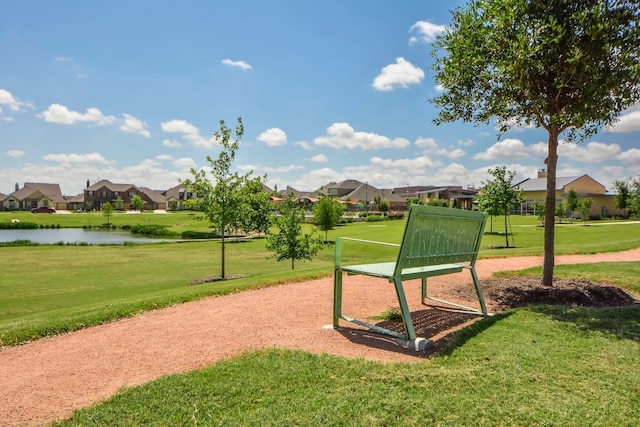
{"points": [[18, 225], [375, 218], [189, 234], [151, 230]]}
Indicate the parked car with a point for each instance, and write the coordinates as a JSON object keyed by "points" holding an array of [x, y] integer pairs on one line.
{"points": [[43, 209]]}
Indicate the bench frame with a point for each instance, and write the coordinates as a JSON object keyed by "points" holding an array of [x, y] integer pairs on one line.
{"points": [[436, 241]]}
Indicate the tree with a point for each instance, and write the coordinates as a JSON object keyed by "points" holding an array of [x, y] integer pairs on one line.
{"points": [[107, 211], [327, 214], [137, 203], [221, 198], [584, 207], [383, 206], [623, 192], [118, 204], [256, 209], [572, 202], [289, 242], [500, 196], [567, 66], [560, 212], [633, 201], [538, 208]]}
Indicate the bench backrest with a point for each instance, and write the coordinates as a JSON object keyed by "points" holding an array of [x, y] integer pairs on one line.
{"points": [[435, 235]]}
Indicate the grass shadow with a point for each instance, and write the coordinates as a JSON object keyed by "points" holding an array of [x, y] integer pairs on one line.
{"points": [[621, 322]]}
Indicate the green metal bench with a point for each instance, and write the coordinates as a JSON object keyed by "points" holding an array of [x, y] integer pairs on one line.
{"points": [[436, 241]]}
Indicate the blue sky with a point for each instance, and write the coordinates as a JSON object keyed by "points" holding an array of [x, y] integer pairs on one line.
{"points": [[132, 91]]}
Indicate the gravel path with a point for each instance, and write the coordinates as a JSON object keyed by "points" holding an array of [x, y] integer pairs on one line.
{"points": [[47, 379]]}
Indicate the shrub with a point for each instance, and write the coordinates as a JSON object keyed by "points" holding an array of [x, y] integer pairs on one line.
{"points": [[18, 225], [151, 230]]}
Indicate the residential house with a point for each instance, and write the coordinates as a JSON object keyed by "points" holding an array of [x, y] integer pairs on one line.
{"points": [[458, 197], [105, 191], [359, 195], [586, 187], [177, 196], [33, 195]]}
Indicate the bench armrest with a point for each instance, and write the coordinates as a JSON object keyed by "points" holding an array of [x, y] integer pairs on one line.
{"points": [[338, 247]]}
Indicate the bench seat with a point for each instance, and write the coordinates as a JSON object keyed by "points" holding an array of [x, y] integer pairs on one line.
{"points": [[387, 269]]}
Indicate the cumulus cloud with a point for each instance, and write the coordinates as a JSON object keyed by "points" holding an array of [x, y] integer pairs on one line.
{"points": [[184, 163], [507, 149], [341, 135], [456, 153], [631, 158], [12, 103], [135, 126], [419, 163], [57, 113], [282, 169], [164, 157], [89, 158], [303, 144], [172, 143], [189, 132], [319, 158], [591, 152], [424, 31], [237, 64], [628, 121], [16, 154], [273, 137], [400, 74], [426, 143]]}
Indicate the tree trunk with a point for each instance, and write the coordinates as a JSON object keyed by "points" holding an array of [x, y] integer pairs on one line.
{"points": [[549, 213], [222, 267], [506, 230], [292, 263]]}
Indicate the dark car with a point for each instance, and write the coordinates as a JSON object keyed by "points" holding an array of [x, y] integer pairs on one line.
{"points": [[43, 209]]}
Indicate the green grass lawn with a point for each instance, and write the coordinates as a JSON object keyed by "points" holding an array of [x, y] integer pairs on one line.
{"points": [[47, 289], [536, 366]]}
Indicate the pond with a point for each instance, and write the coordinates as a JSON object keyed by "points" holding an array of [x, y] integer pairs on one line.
{"points": [[75, 235]]}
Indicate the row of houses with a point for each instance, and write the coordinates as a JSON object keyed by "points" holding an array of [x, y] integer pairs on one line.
{"points": [[356, 195]]}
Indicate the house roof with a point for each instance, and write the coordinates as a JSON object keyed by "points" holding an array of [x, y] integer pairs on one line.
{"points": [[105, 183], [51, 191], [540, 184]]}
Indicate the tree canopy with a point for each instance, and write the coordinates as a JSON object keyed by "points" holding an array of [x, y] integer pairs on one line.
{"points": [[567, 66]]}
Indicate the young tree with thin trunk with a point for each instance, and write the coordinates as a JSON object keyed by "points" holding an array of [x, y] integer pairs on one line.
{"points": [[567, 66], [221, 197], [572, 201], [500, 196], [107, 211], [327, 214]]}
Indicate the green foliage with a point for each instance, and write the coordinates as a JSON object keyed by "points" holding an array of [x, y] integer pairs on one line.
{"points": [[137, 203], [438, 202], [628, 195], [414, 201], [568, 67], [560, 211], [500, 196], [20, 225], [190, 234], [107, 211], [572, 201], [256, 209], [118, 204], [151, 230], [289, 242], [584, 207], [327, 214], [383, 205]]}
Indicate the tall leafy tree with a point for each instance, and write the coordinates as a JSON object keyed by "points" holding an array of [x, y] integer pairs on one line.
{"points": [[137, 203], [289, 242], [221, 196], [623, 191], [327, 214], [584, 207], [500, 196], [567, 66], [256, 209]]}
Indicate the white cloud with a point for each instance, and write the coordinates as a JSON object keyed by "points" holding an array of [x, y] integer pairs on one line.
{"points": [[426, 143], [591, 152], [631, 159], [273, 137], [627, 122], [507, 149], [303, 144], [341, 135], [452, 154], [134, 125], [16, 154], [466, 142], [171, 143], [424, 31], [282, 169], [416, 165], [189, 132], [319, 158], [184, 163], [316, 178], [164, 157], [57, 113], [89, 158], [12, 103], [400, 74], [237, 64]]}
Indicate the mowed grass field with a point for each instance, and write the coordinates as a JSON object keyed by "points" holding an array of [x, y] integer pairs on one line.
{"points": [[50, 289], [543, 365]]}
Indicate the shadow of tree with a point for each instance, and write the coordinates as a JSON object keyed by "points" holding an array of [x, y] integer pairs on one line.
{"points": [[621, 322]]}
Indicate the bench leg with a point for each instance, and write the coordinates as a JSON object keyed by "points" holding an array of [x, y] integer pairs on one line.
{"points": [[476, 283], [337, 297], [404, 309], [424, 289]]}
